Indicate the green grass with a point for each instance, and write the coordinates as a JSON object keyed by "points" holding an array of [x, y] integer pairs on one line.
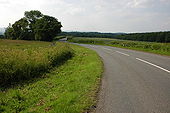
{"points": [[69, 88], [58, 37], [17, 64], [152, 47]]}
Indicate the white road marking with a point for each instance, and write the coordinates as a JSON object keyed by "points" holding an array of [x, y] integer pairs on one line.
{"points": [[122, 53], [92, 46], [106, 48], [153, 65]]}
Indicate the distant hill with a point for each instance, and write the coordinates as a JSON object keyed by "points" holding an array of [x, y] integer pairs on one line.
{"points": [[2, 30]]}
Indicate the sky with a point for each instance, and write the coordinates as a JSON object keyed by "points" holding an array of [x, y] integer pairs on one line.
{"points": [[94, 15]]}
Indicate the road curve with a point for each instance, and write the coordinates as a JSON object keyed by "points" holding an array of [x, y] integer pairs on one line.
{"points": [[133, 81]]}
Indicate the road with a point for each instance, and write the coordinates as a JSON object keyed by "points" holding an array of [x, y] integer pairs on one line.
{"points": [[133, 81]]}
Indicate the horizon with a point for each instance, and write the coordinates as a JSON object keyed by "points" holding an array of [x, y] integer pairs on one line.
{"points": [[2, 30]]}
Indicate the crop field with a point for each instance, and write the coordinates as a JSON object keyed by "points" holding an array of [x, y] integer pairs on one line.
{"points": [[22, 60], [153, 47]]}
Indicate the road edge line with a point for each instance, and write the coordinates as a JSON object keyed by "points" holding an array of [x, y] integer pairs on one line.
{"points": [[153, 65]]}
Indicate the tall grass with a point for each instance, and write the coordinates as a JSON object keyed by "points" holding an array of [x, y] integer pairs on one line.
{"points": [[160, 48], [22, 44], [20, 64]]}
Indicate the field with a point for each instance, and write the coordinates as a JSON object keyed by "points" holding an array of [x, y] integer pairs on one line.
{"points": [[153, 47], [70, 87]]}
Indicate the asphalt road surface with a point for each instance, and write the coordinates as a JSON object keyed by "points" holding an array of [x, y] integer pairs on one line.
{"points": [[133, 81]]}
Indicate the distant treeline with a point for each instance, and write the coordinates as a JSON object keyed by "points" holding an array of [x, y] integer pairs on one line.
{"points": [[162, 37], [90, 34]]}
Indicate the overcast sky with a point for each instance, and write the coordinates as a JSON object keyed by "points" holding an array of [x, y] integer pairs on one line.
{"points": [[95, 15]]}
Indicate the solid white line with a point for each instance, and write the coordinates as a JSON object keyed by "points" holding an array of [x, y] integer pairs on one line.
{"points": [[153, 65], [122, 53], [106, 48]]}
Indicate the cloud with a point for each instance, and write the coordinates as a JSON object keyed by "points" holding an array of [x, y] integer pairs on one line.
{"points": [[94, 15], [165, 1], [140, 3]]}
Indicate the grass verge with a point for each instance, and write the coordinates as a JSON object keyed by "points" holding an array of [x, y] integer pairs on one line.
{"points": [[70, 88], [152, 47]]}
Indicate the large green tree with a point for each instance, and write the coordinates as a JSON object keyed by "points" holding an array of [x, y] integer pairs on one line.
{"points": [[20, 28], [47, 28], [32, 17], [34, 26]]}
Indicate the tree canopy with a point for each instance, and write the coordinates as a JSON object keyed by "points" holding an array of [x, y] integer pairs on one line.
{"points": [[34, 26], [46, 28]]}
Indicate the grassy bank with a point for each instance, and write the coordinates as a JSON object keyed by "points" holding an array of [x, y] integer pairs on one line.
{"points": [[158, 48], [23, 62], [69, 88]]}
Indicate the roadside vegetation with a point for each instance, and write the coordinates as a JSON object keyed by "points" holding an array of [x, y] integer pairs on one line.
{"points": [[67, 88], [153, 47], [19, 62]]}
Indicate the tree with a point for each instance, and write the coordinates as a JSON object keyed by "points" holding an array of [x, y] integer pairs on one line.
{"points": [[32, 17], [9, 32], [34, 26], [47, 28], [20, 28], [167, 37]]}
